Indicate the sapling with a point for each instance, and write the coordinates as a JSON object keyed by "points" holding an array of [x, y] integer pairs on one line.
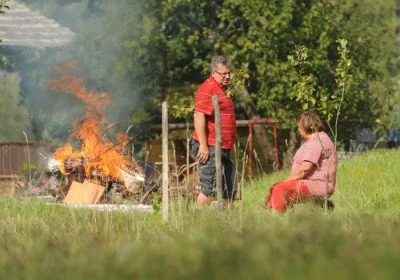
{"points": [[303, 91]]}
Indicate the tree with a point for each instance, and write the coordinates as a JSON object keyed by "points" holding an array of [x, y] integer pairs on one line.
{"points": [[14, 117], [260, 35]]}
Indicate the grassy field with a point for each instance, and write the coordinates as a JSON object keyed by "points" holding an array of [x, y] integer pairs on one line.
{"points": [[359, 240]]}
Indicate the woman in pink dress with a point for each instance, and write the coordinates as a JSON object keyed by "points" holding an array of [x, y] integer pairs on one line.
{"points": [[313, 170]]}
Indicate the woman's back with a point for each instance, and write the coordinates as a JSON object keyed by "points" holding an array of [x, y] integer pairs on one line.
{"points": [[319, 150]]}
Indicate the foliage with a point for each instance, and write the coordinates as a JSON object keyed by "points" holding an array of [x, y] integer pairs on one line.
{"points": [[237, 81], [343, 79], [14, 117], [27, 166], [259, 36], [183, 108], [303, 89], [342, 69], [187, 28]]}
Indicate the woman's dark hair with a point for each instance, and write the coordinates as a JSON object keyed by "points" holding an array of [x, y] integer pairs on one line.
{"points": [[310, 122]]}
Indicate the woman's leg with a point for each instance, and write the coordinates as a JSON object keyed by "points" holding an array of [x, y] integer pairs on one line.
{"points": [[284, 193]]}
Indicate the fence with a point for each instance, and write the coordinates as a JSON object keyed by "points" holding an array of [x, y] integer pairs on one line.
{"points": [[14, 157]]}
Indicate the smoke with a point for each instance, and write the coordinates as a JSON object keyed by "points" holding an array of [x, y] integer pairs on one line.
{"points": [[111, 51]]}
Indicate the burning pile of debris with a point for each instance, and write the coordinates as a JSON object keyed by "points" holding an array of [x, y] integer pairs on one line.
{"points": [[97, 169], [89, 183]]}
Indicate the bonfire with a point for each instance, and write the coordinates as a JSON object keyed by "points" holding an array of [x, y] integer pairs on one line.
{"points": [[96, 157]]}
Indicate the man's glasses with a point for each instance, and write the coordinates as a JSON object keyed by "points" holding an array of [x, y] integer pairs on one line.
{"points": [[224, 74]]}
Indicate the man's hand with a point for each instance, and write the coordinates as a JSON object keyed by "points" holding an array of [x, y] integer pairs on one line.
{"points": [[203, 154], [200, 127]]}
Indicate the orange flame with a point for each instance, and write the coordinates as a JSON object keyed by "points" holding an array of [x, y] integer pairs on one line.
{"points": [[102, 155]]}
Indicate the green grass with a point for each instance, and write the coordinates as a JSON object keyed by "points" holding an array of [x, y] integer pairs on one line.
{"points": [[359, 240]]}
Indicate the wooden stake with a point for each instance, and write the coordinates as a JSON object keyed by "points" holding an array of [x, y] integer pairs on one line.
{"points": [[165, 161], [187, 166], [218, 141]]}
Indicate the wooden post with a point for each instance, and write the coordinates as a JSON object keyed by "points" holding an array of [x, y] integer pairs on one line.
{"points": [[218, 141], [276, 149], [250, 167], [187, 167], [165, 167]]}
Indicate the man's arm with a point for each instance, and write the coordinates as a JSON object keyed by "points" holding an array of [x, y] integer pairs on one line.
{"points": [[200, 128], [301, 171]]}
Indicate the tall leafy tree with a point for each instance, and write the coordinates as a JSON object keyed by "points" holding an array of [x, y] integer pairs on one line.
{"points": [[14, 117], [260, 35]]}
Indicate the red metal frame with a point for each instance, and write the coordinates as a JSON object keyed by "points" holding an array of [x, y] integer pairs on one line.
{"points": [[269, 121], [243, 123]]}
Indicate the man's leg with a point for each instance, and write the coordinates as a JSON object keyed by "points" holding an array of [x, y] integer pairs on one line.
{"points": [[229, 179], [207, 179], [206, 175], [203, 200]]}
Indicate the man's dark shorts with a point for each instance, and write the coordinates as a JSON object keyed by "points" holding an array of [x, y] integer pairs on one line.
{"points": [[207, 172]]}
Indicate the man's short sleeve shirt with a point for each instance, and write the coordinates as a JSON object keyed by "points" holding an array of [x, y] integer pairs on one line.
{"points": [[203, 104]]}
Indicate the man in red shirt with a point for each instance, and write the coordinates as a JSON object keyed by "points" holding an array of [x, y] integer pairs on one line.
{"points": [[203, 139]]}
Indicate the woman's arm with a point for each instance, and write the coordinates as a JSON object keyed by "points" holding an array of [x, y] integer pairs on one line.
{"points": [[301, 171]]}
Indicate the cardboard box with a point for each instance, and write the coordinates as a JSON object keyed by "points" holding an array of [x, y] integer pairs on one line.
{"points": [[86, 193]]}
